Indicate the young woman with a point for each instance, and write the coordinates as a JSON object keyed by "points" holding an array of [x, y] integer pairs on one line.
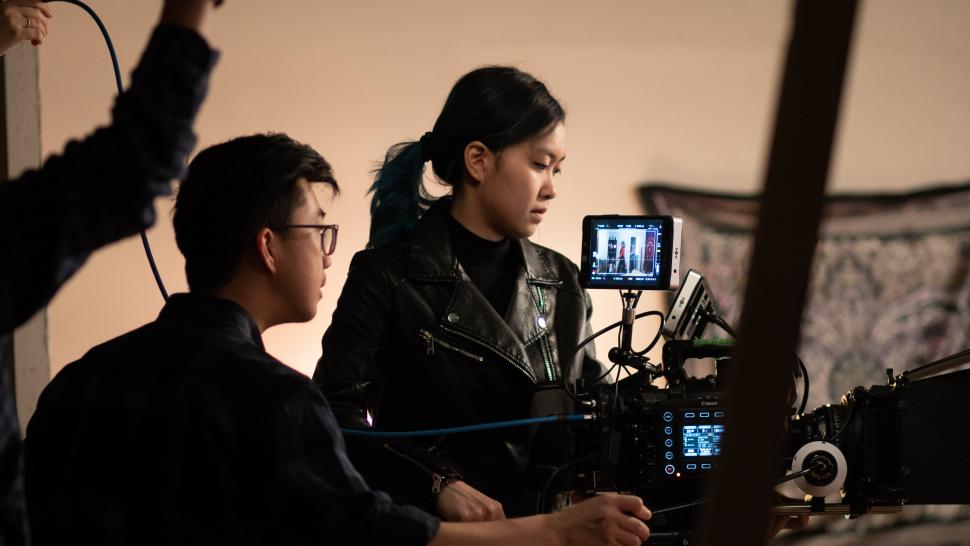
{"points": [[452, 316]]}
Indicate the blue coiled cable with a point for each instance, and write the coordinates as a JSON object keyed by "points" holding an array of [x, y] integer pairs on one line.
{"points": [[121, 88]]}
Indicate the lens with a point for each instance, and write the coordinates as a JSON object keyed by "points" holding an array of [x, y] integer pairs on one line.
{"points": [[328, 240]]}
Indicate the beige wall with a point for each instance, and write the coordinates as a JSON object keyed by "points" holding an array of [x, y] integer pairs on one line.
{"points": [[655, 90]]}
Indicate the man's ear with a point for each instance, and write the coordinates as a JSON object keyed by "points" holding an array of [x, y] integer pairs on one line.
{"points": [[479, 161], [266, 242]]}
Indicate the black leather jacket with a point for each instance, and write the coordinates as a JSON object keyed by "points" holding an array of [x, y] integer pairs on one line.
{"points": [[414, 345]]}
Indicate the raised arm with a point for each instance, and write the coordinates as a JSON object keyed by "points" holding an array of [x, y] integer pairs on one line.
{"points": [[101, 189]]}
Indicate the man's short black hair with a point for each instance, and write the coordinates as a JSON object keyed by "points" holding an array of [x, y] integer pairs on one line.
{"points": [[232, 191]]}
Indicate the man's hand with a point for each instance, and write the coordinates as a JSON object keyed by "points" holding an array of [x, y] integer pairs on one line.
{"points": [[780, 523], [459, 501], [23, 20], [603, 519], [188, 13]]}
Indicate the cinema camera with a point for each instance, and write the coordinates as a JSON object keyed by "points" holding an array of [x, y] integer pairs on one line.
{"points": [[904, 442]]}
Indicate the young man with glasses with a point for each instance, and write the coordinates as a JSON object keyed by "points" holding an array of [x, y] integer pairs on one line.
{"points": [[185, 431]]}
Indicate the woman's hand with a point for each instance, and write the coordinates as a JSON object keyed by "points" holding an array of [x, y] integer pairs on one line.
{"points": [[604, 519], [23, 20], [459, 501], [780, 523]]}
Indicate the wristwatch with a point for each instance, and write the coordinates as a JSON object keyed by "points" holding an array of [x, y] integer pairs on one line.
{"points": [[439, 481]]}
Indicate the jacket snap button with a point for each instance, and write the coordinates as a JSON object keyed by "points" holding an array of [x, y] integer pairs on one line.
{"points": [[541, 322], [452, 317]]}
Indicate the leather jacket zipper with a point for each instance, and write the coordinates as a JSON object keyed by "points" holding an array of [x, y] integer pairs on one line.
{"points": [[438, 481], [429, 338], [527, 372]]}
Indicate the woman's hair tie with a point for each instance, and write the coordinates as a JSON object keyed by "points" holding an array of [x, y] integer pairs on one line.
{"points": [[426, 146]]}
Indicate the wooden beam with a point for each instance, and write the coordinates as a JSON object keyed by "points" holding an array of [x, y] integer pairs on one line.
{"points": [[784, 244], [21, 150]]}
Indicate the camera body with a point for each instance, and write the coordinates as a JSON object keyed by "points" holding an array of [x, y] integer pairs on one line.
{"points": [[656, 442]]}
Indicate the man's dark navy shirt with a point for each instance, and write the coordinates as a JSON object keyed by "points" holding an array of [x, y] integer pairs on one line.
{"points": [[97, 191], [185, 431]]}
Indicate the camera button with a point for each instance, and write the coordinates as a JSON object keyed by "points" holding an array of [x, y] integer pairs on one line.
{"points": [[669, 469]]}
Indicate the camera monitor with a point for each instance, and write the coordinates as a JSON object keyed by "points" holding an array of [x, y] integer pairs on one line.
{"points": [[631, 252]]}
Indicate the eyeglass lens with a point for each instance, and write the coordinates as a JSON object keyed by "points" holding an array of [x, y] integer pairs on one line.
{"points": [[328, 240]]}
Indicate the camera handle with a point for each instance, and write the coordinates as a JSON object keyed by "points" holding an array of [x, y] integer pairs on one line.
{"points": [[624, 355]]}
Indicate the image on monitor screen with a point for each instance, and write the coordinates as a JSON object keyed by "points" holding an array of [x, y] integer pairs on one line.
{"points": [[625, 253]]}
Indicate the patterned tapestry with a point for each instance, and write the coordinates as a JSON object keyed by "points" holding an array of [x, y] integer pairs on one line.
{"points": [[890, 286]]}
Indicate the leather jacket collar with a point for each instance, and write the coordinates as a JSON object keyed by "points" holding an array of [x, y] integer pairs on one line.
{"points": [[431, 258]]}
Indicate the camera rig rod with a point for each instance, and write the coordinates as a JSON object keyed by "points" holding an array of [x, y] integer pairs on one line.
{"points": [[630, 301], [933, 368], [624, 355]]}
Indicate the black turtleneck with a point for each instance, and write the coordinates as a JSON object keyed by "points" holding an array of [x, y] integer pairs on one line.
{"points": [[492, 265]]}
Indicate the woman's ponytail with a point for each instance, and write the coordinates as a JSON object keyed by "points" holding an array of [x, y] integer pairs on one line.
{"points": [[399, 197]]}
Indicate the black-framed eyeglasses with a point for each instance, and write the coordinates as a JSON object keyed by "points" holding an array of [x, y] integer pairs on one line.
{"points": [[328, 235]]}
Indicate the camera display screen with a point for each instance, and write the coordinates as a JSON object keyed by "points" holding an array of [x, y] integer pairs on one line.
{"points": [[702, 440], [627, 252], [691, 438]]}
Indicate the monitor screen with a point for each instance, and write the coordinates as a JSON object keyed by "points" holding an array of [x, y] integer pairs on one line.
{"points": [[626, 252]]}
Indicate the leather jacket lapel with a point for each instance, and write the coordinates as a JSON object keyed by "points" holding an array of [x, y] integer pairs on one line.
{"points": [[543, 283], [529, 315], [468, 314]]}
